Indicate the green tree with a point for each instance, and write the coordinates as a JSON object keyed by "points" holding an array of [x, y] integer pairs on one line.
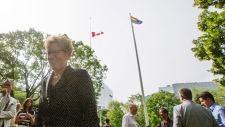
{"points": [[83, 57], [22, 58], [210, 45], [137, 99], [157, 101], [19, 95], [103, 115], [115, 113]]}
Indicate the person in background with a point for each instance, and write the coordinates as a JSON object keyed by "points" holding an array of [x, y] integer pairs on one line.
{"points": [[18, 106], [107, 123], [189, 114], [25, 117], [217, 110], [12, 122], [129, 118], [167, 122], [7, 103], [67, 95]]}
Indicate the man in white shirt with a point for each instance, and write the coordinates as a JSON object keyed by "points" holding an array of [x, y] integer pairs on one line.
{"points": [[129, 118], [7, 104]]}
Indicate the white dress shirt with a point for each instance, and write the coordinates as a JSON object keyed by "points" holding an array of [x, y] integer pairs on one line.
{"points": [[129, 120]]}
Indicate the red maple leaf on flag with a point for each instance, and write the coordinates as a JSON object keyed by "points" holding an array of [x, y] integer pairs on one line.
{"points": [[96, 34]]}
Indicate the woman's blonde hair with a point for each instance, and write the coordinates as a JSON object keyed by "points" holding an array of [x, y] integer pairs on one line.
{"points": [[10, 80], [62, 40]]}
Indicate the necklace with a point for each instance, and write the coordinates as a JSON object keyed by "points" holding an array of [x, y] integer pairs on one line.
{"points": [[57, 76], [55, 79]]}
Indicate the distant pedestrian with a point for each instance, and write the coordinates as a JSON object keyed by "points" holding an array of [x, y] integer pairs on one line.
{"points": [[129, 118], [107, 123], [217, 110], [189, 114], [167, 122]]}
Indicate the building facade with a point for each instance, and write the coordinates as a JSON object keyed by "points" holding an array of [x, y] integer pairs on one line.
{"points": [[105, 98], [197, 85]]}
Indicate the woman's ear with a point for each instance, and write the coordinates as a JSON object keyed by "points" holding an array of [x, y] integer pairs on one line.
{"points": [[69, 55]]}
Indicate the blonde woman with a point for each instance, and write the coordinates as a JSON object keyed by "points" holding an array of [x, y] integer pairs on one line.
{"points": [[25, 117], [67, 97]]}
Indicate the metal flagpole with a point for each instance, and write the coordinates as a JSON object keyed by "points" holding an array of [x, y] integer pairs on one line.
{"points": [[141, 84], [90, 32]]}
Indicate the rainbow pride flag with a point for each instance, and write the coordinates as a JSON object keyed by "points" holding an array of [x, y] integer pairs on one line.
{"points": [[135, 20]]}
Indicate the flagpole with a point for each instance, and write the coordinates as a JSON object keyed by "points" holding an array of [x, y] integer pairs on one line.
{"points": [[141, 84], [90, 31]]}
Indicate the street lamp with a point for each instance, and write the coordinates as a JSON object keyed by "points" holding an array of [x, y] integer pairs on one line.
{"points": [[100, 109]]}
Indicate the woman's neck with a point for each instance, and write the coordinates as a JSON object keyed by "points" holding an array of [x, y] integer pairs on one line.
{"points": [[58, 73]]}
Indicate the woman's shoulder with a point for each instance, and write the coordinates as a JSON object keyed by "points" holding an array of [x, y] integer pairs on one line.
{"points": [[79, 71], [20, 112], [71, 69]]}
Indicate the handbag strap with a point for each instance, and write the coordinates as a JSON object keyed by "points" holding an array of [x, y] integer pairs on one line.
{"points": [[6, 105]]}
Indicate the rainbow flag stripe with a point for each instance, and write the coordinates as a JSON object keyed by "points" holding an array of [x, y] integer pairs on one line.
{"points": [[135, 20]]}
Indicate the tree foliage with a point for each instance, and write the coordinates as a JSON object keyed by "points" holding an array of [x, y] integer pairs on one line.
{"points": [[157, 101], [211, 44], [115, 113], [103, 115], [22, 58], [83, 58], [205, 4], [19, 95]]}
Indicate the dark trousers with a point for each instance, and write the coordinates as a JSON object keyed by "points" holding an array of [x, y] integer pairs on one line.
{"points": [[2, 124]]}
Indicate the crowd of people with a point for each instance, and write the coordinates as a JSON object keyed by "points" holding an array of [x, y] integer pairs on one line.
{"points": [[68, 99], [187, 114]]}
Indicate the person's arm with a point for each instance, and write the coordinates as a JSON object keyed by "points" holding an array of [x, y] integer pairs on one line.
{"points": [[222, 115], [215, 123], [10, 110], [176, 117], [38, 117], [31, 117], [87, 100], [18, 120], [125, 122]]}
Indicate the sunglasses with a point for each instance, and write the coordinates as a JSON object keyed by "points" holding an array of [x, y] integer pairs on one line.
{"points": [[6, 85]]}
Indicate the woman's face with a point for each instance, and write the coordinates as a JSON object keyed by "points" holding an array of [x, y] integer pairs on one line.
{"points": [[8, 86], [57, 57], [28, 103]]}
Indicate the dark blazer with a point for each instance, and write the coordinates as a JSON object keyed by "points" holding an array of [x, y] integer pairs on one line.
{"points": [[70, 103], [170, 123]]}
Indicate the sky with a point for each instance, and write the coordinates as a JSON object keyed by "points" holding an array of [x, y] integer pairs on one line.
{"points": [[164, 39]]}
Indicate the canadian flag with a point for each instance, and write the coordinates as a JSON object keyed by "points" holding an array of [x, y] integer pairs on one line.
{"points": [[96, 34]]}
